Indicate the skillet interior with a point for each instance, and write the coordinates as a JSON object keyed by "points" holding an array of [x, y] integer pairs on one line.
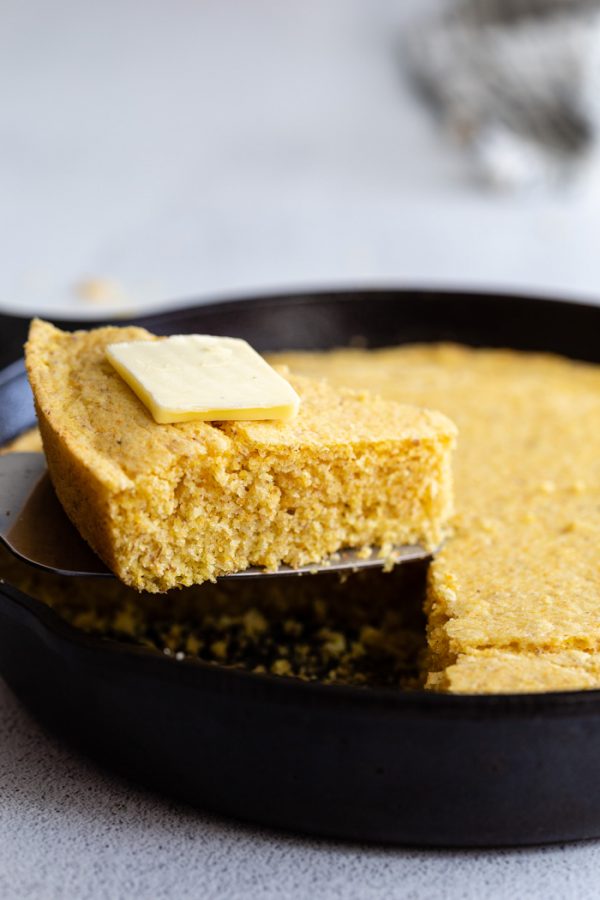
{"points": [[377, 765]]}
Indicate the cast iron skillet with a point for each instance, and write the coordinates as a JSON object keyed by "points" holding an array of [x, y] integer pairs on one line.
{"points": [[411, 768]]}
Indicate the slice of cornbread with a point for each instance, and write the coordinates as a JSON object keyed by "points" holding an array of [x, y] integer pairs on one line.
{"points": [[513, 599], [172, 505]]}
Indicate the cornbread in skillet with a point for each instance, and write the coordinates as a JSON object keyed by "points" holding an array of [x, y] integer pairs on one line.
{"points": [[172, 505], [513, 598]]}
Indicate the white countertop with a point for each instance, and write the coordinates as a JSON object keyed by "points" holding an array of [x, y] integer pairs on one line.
{"points": [[186, 149], [69, 830]]}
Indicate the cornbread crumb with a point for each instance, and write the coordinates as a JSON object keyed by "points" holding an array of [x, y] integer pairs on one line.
{"points": [[172, 505], [102, 290], [281, 667]]}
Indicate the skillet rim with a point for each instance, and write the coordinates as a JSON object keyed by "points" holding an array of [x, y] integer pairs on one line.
{"points": [[554, 703]]}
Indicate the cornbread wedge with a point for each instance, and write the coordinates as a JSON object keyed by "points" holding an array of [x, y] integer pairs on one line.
{"points": [[172, 505]]}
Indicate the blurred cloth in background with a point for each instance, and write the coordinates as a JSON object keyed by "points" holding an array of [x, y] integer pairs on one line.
{"points": [[516, 82], [156, 153]]}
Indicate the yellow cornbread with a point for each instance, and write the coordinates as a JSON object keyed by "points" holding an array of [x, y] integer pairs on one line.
{"points": [[513, 599], [177, 504], [494, 671]]}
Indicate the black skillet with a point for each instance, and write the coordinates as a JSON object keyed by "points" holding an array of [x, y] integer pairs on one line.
{"points": [[364, 764]]}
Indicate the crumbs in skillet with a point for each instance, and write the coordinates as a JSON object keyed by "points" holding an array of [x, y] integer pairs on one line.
{"points": [[366, 630]]}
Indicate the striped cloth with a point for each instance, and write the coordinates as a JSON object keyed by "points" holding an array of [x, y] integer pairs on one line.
{"points": [[515, 82]]}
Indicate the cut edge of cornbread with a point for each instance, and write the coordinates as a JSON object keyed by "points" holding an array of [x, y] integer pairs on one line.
{"points": [[171, 505], [515, 671], [439, 594]]}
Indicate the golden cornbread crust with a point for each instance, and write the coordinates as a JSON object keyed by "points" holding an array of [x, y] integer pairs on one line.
{"points": [[173, 505], [513, 600]]}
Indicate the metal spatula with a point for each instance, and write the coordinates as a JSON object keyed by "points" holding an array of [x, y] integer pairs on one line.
{"points": [[34, 526]]}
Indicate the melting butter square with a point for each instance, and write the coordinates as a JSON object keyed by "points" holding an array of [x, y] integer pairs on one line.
{"points": [[200, 377]]}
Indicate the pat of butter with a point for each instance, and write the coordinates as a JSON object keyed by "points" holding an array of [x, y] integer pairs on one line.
{"points": [[191, 377]]}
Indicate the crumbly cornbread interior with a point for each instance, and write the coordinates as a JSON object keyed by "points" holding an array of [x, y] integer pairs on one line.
{"points": [[513, 599], [179, 504]]}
